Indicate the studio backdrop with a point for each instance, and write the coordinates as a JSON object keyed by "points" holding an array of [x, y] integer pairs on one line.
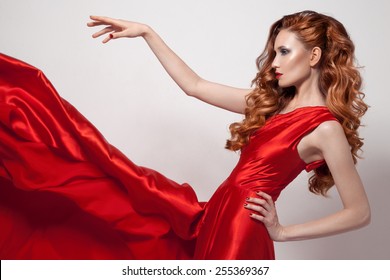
{"points": [[123, 90]]}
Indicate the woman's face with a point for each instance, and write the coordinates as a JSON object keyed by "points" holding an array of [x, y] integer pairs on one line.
{"points": [[292, 60]]}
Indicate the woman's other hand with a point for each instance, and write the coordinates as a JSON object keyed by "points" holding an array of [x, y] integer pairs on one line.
{"points": [[263, 210]]}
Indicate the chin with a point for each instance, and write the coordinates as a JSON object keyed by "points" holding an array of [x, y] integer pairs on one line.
{"points": [[284, 85]]}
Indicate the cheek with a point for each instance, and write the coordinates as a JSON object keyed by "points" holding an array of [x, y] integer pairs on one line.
{"points": [[297, 68], [294, 78], [300, 70], [299, 61]]}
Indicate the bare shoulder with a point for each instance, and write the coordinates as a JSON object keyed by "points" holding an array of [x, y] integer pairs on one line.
{"points": [[329, 128], [329, 133]]}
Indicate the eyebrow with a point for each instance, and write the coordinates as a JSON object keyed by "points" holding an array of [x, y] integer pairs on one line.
{"points": [[281, 47]]}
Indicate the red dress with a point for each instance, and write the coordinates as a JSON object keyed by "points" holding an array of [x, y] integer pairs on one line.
{"points": [[65, 193]]}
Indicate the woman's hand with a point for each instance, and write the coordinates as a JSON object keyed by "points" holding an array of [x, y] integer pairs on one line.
{"points": [[117, 28], [265, 212]]}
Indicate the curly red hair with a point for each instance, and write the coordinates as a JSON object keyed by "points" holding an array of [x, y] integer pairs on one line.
{"points": [[340, 83]]}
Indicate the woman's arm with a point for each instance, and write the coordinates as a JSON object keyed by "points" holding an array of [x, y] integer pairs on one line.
{"points": [[226, 97], [332, 143]]}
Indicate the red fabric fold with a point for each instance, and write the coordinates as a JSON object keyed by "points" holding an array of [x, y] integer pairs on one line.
{"points": [[70, 177]]}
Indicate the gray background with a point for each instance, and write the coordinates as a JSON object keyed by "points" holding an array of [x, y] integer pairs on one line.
{"points": [[125, 92]]}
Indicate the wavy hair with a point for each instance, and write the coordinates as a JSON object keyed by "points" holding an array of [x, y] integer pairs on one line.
{"points": [[339, 82]]}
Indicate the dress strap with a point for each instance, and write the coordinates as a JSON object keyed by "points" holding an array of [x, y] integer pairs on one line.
{"points": [[315, 164]]}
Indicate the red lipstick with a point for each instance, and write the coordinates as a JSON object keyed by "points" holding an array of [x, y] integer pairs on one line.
{"points": [[278, 75]]}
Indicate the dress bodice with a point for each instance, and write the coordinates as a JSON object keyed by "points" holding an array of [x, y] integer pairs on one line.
{"points": [[271, 160]]}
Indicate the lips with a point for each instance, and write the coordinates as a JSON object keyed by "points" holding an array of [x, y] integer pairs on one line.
{"points": [[278, 75]]}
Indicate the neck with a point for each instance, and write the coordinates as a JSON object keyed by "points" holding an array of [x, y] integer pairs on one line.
{"points": [[308, 94]]}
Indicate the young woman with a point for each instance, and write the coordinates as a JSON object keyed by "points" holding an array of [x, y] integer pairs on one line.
{"points": [[303, 113]]}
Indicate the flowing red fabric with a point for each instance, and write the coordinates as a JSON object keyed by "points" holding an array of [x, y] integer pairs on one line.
{"points": [[65, 193]]}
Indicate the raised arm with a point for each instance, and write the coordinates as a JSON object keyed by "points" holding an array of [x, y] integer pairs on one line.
{"points": [[226, 97]]}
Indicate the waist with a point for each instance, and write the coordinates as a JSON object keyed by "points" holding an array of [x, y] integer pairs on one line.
{"points": [[251, 188]]}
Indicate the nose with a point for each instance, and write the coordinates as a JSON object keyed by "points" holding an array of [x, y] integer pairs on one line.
{"points": [[275, 63]]}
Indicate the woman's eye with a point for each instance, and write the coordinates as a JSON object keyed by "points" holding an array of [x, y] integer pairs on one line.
{"points": [[284, 51]]}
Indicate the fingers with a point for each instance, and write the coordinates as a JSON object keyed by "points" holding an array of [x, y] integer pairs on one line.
{"points": [[258, 210], [265, 201], [261, 206], [113, 35], [99, 20], [113, 27], [117, 34], [102, 32], [95, 23], [257, 217], [108, 38], [265, 196]]}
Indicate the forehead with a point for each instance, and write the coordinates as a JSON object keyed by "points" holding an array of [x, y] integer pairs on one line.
{"points": [[287, 38]]}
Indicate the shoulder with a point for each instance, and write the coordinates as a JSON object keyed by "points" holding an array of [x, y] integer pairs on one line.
{"points": [[329, 128], [329, 134]]}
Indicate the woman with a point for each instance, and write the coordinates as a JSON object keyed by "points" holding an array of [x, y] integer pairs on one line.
{"points": [[303, 114]]}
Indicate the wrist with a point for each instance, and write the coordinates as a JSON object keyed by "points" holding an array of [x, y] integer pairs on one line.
{"points": [[278, 233], [290, 233], [282, 234], [146, 32]]}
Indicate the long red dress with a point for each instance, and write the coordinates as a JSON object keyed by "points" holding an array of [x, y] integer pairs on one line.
{"points": [[65, 193]]}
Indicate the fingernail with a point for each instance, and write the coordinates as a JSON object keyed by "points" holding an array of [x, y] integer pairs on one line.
{"points": [[247, 198], [111, 36], [246, 204]]}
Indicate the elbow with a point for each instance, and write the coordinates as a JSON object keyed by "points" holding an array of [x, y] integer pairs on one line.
{"points": [[358, 218], [366, 215], [364, 218], [190, 92], [192, 89]]}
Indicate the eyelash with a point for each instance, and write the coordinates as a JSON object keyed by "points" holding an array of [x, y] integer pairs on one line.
{"points": [[284, 51]]}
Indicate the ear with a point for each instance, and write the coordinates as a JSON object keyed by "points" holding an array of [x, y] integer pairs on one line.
{"points": [[315, 56]]}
